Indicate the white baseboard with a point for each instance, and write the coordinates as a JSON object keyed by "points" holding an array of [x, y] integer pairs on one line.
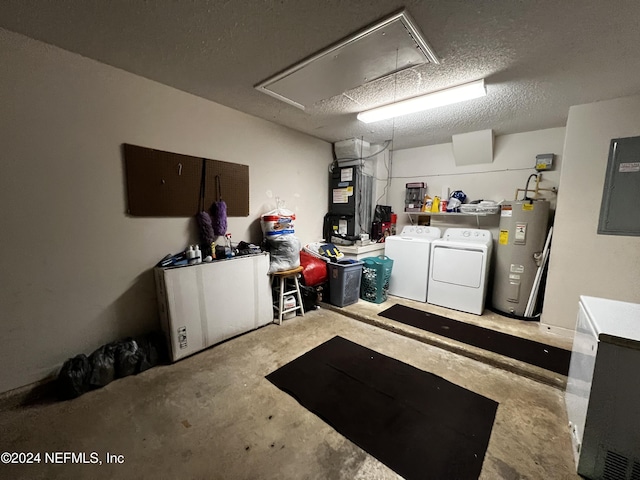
{"points": [[555, 330]]}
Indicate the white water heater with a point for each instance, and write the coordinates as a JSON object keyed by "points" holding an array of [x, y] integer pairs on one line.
{"points": [[523, 230]]}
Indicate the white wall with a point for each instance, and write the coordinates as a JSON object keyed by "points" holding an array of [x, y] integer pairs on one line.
{"points": [[514, 161], [75, 268], [583, 262]]}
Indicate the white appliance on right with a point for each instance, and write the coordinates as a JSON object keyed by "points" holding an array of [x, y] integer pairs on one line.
{"points": [[459, 269], [603, 390]]}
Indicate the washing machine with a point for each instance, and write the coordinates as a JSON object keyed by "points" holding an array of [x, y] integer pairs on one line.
{"points": [[459, 269], [410, 252]]}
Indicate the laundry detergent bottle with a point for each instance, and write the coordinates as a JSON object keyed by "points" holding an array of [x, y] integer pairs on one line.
{"points": [[435, 205]]}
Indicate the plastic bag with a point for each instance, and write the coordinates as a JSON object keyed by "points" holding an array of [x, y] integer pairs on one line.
{"points": [[73, 379], [453, 205], [152, 350], [382, 213], [285, 252], [278, 222], [127, 358], [460, 195], [102, 363], [315, 270], [311, 297]]}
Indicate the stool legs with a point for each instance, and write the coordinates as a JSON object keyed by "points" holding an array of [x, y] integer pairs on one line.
{"points": [[295, 278], [282, 287], [281, 299]]}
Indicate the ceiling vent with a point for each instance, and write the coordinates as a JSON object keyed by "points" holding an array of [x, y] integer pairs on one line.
{"points": [[384, 48]]}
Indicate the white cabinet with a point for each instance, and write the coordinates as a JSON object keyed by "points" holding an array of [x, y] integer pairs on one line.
{"points": [[201, 305], [603, 390]]}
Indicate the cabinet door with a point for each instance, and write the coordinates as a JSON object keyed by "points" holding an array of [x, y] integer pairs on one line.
{"points": [[184, 313], [228, 298]]}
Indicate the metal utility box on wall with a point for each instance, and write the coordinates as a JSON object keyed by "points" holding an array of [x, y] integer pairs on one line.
{"points": [[544, 161], [620, 211]]}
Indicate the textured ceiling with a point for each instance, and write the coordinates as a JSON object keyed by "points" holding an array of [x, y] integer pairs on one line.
{"points": [[538, 57]]}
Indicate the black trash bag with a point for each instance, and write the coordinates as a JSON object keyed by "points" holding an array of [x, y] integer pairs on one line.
{"points": [[127, 358], [311, 297], [382, 213], [102, 363], [152, 350], [73, 379]]}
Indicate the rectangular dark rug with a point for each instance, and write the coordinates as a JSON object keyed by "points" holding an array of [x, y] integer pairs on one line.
{"points": [[418, 424], [534, 353]]}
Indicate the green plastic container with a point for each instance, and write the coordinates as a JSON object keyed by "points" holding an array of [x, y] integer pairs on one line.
{"points": [[376, 273]]}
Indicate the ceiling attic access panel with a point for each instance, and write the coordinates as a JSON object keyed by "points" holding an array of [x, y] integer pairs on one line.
{"points": [[382, 49]]}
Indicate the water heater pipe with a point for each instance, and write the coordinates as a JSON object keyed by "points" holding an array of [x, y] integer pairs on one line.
{"points": [[536, 190]]}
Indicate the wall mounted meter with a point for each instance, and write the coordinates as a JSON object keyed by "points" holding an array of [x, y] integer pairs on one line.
{"points": [[544, 161]]}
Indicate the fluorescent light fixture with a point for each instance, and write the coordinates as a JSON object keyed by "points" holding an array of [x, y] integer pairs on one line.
{"points": [[440, 98]]}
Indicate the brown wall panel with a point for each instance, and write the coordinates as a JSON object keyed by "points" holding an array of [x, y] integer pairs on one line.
{"points": [[165, 184]]}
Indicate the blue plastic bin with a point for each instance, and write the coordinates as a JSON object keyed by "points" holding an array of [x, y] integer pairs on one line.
{"points": [[344, 282]]}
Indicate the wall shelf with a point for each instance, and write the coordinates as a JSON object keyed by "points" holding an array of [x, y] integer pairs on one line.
{"points": [[444, 216], [452, 214]]}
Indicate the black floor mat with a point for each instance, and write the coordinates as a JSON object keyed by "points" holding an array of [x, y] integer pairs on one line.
{"points": [[534, 353], [418, 424]]}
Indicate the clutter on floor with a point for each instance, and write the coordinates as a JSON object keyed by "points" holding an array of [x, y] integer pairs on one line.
{"points": [[351, 263], [114, 360]]}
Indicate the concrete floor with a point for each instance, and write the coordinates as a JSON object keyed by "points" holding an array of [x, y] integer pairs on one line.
{"points": [[215, 416]]}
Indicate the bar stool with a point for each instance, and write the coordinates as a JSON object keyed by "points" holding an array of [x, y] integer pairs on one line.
{"points": [[283, 277]]}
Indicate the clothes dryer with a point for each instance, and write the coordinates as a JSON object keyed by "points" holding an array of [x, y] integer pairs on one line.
{"points": [[459, 269], [410, 252]]}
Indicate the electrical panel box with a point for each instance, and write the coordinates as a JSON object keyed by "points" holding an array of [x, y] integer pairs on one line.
{"points": [[544, 162], [619, 212]]}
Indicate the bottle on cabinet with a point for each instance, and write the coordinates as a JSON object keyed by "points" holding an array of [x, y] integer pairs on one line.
{"points": [[228, 250]]}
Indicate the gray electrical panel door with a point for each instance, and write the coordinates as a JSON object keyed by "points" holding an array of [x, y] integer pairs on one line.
{"points": [[620, 208]]}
